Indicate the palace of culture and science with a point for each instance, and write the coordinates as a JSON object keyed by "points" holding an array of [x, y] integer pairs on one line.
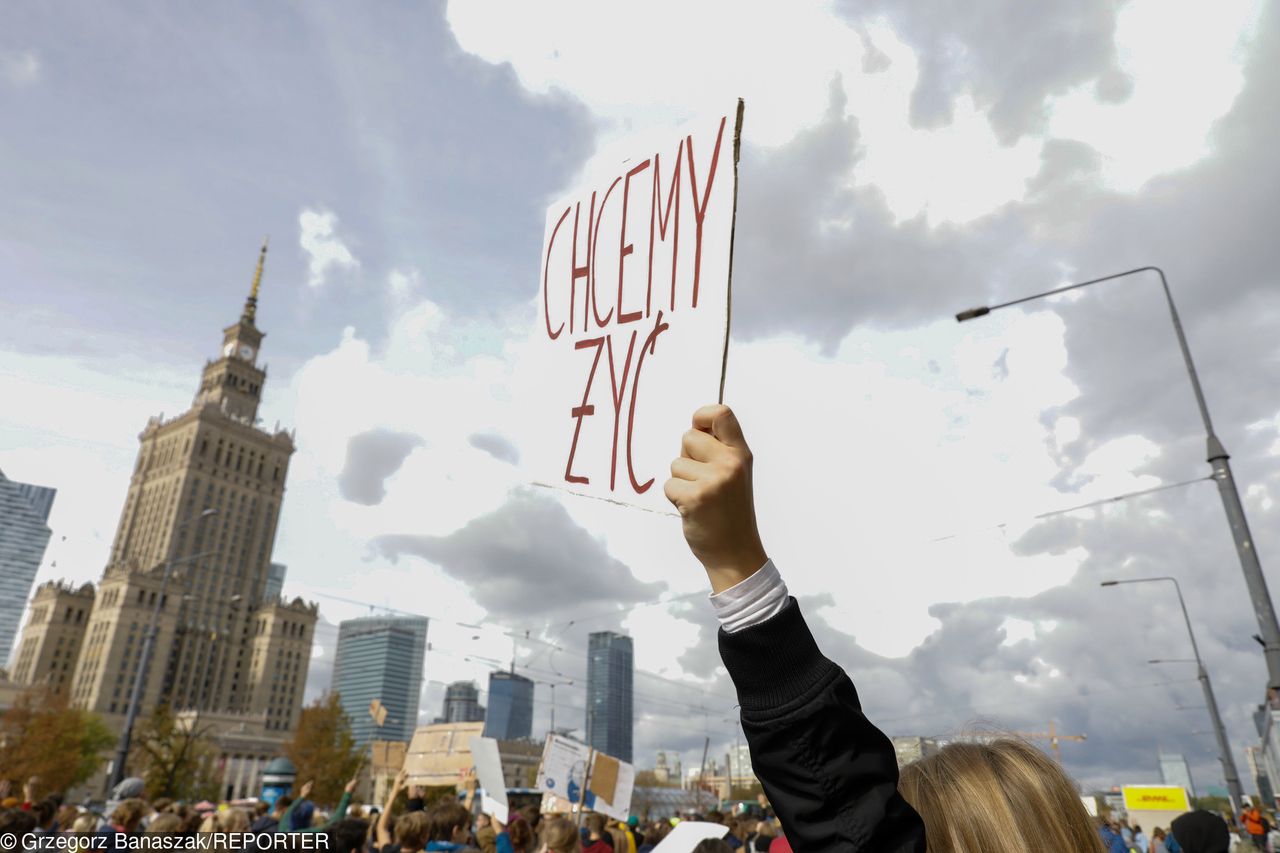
{"points": [[204, 498]]}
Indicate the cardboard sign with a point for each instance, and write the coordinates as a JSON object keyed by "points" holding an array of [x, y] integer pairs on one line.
{"points": [[440, 754], [378, 712], [611, 794], [633, 312], [686, 835], [488, 763]]}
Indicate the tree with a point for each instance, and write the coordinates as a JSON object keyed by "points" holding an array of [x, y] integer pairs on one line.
{"points": [[323, 749], [174, 758], [40, 735]]}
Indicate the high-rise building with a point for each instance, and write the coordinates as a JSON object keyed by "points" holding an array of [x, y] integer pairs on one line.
{"points": [[55, 630], [276, 573], [380, 658], [510, 712], [462, 703], [201, 510], [1174, 771], [610, 683], [24, 534]]}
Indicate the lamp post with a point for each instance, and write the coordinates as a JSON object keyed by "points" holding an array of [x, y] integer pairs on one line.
{"points": [[144, 661], [1224, 746], [1218, 461]]}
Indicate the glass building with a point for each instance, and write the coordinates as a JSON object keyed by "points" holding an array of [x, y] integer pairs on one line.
{"points": [[510, 712], [274, 588], [24, 534], [380, 658], [1174, 771], [462, 703], [610, 688]]}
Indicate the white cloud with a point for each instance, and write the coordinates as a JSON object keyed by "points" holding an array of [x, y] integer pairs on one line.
{"points": [[324, 249], [20, 68]]}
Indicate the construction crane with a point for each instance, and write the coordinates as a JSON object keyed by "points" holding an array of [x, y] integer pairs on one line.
{"points": [[1053, 737]]}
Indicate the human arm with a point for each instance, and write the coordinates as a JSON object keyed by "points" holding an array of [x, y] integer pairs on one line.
{"points": [[286, 819], [384, 819], [830, 774]]}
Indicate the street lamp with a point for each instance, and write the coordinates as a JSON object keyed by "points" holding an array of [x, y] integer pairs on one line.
{"points": [[1224, 747], [1217, 458], [144, 661]]}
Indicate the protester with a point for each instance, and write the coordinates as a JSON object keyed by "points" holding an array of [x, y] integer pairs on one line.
{"points": [[800, 710], [450, 826], [123, 823], [165, 824], [559, 835], [412, 833], [1255, 825], [270, 821], [1157, 841], [298, 815], [713, 845], [347, 835], [597, 839], [16, 821], [637, 836], [653, 836], [1198, 832], [65, 817], [764, 837], [1140, 839], [486, 834], [517, 836]]}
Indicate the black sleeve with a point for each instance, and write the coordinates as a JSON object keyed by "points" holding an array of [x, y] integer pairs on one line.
{"points": [[830, 774], [414, 804]]}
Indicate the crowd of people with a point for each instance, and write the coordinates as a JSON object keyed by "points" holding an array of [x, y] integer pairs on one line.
{"points": [[406, 823]]}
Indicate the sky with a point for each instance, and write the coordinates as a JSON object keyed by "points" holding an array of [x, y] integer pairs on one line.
{"points": [[901, 161]]}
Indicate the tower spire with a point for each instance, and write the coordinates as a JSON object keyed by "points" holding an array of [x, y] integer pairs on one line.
{"points": [[251, 304]]}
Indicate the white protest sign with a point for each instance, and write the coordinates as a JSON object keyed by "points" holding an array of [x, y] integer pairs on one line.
{"points": [[633, 309], [488, 763], [686, 835], [563, 768]]}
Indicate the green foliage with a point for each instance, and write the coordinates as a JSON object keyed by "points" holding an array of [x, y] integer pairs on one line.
{"points": [[42, 736], [323, 749], [175, 758]]}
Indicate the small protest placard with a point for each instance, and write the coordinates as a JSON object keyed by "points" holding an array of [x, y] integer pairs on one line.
{"points": [[686, 835], [488, 764], [633, 315]]}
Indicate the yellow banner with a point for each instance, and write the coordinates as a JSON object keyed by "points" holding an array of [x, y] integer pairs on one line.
{"points": [[1155, 798]]}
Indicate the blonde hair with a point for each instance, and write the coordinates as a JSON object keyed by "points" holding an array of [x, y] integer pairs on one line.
{"points": [[560, 835], [994, 797]]}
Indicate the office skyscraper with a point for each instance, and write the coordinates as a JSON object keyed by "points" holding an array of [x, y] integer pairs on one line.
{"points": [[24, 534], [462, 703], [204, 499], [610, 683], [1174, 771], [380, 658], [510, 712], [275, 581]]}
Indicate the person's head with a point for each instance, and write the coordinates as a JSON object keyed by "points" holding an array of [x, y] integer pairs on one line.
{"points": [[1158, 834], [129, 814], [450, 821], [521, 834], [619, 839], [531, 814], [482, 821], [302, 815], [714, 816], [595, 824], [347, 835], [161, 805], [1201, 832], [766, 829], [1136, 829], [559, 835], [713, 845], [85, 824], [16, 821], [413, 831], [165, 824], [66, 816], [43, 812], [660, 830], [1003, 795], [260, 808], [233, 820], [281, 805]]}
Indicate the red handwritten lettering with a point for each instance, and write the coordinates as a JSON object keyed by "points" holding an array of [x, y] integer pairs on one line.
{"points": [[625, 248], [595, 237], [618, 391], [650, 345], [662, 220], [546, 313], [583, 271], [700, 211], [579, 412]]}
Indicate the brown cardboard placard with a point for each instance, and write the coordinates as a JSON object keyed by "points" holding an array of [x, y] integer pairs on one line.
{"points": [[604, 777]]}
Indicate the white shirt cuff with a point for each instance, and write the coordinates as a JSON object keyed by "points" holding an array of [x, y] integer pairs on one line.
{"points": [[751, 601]]}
